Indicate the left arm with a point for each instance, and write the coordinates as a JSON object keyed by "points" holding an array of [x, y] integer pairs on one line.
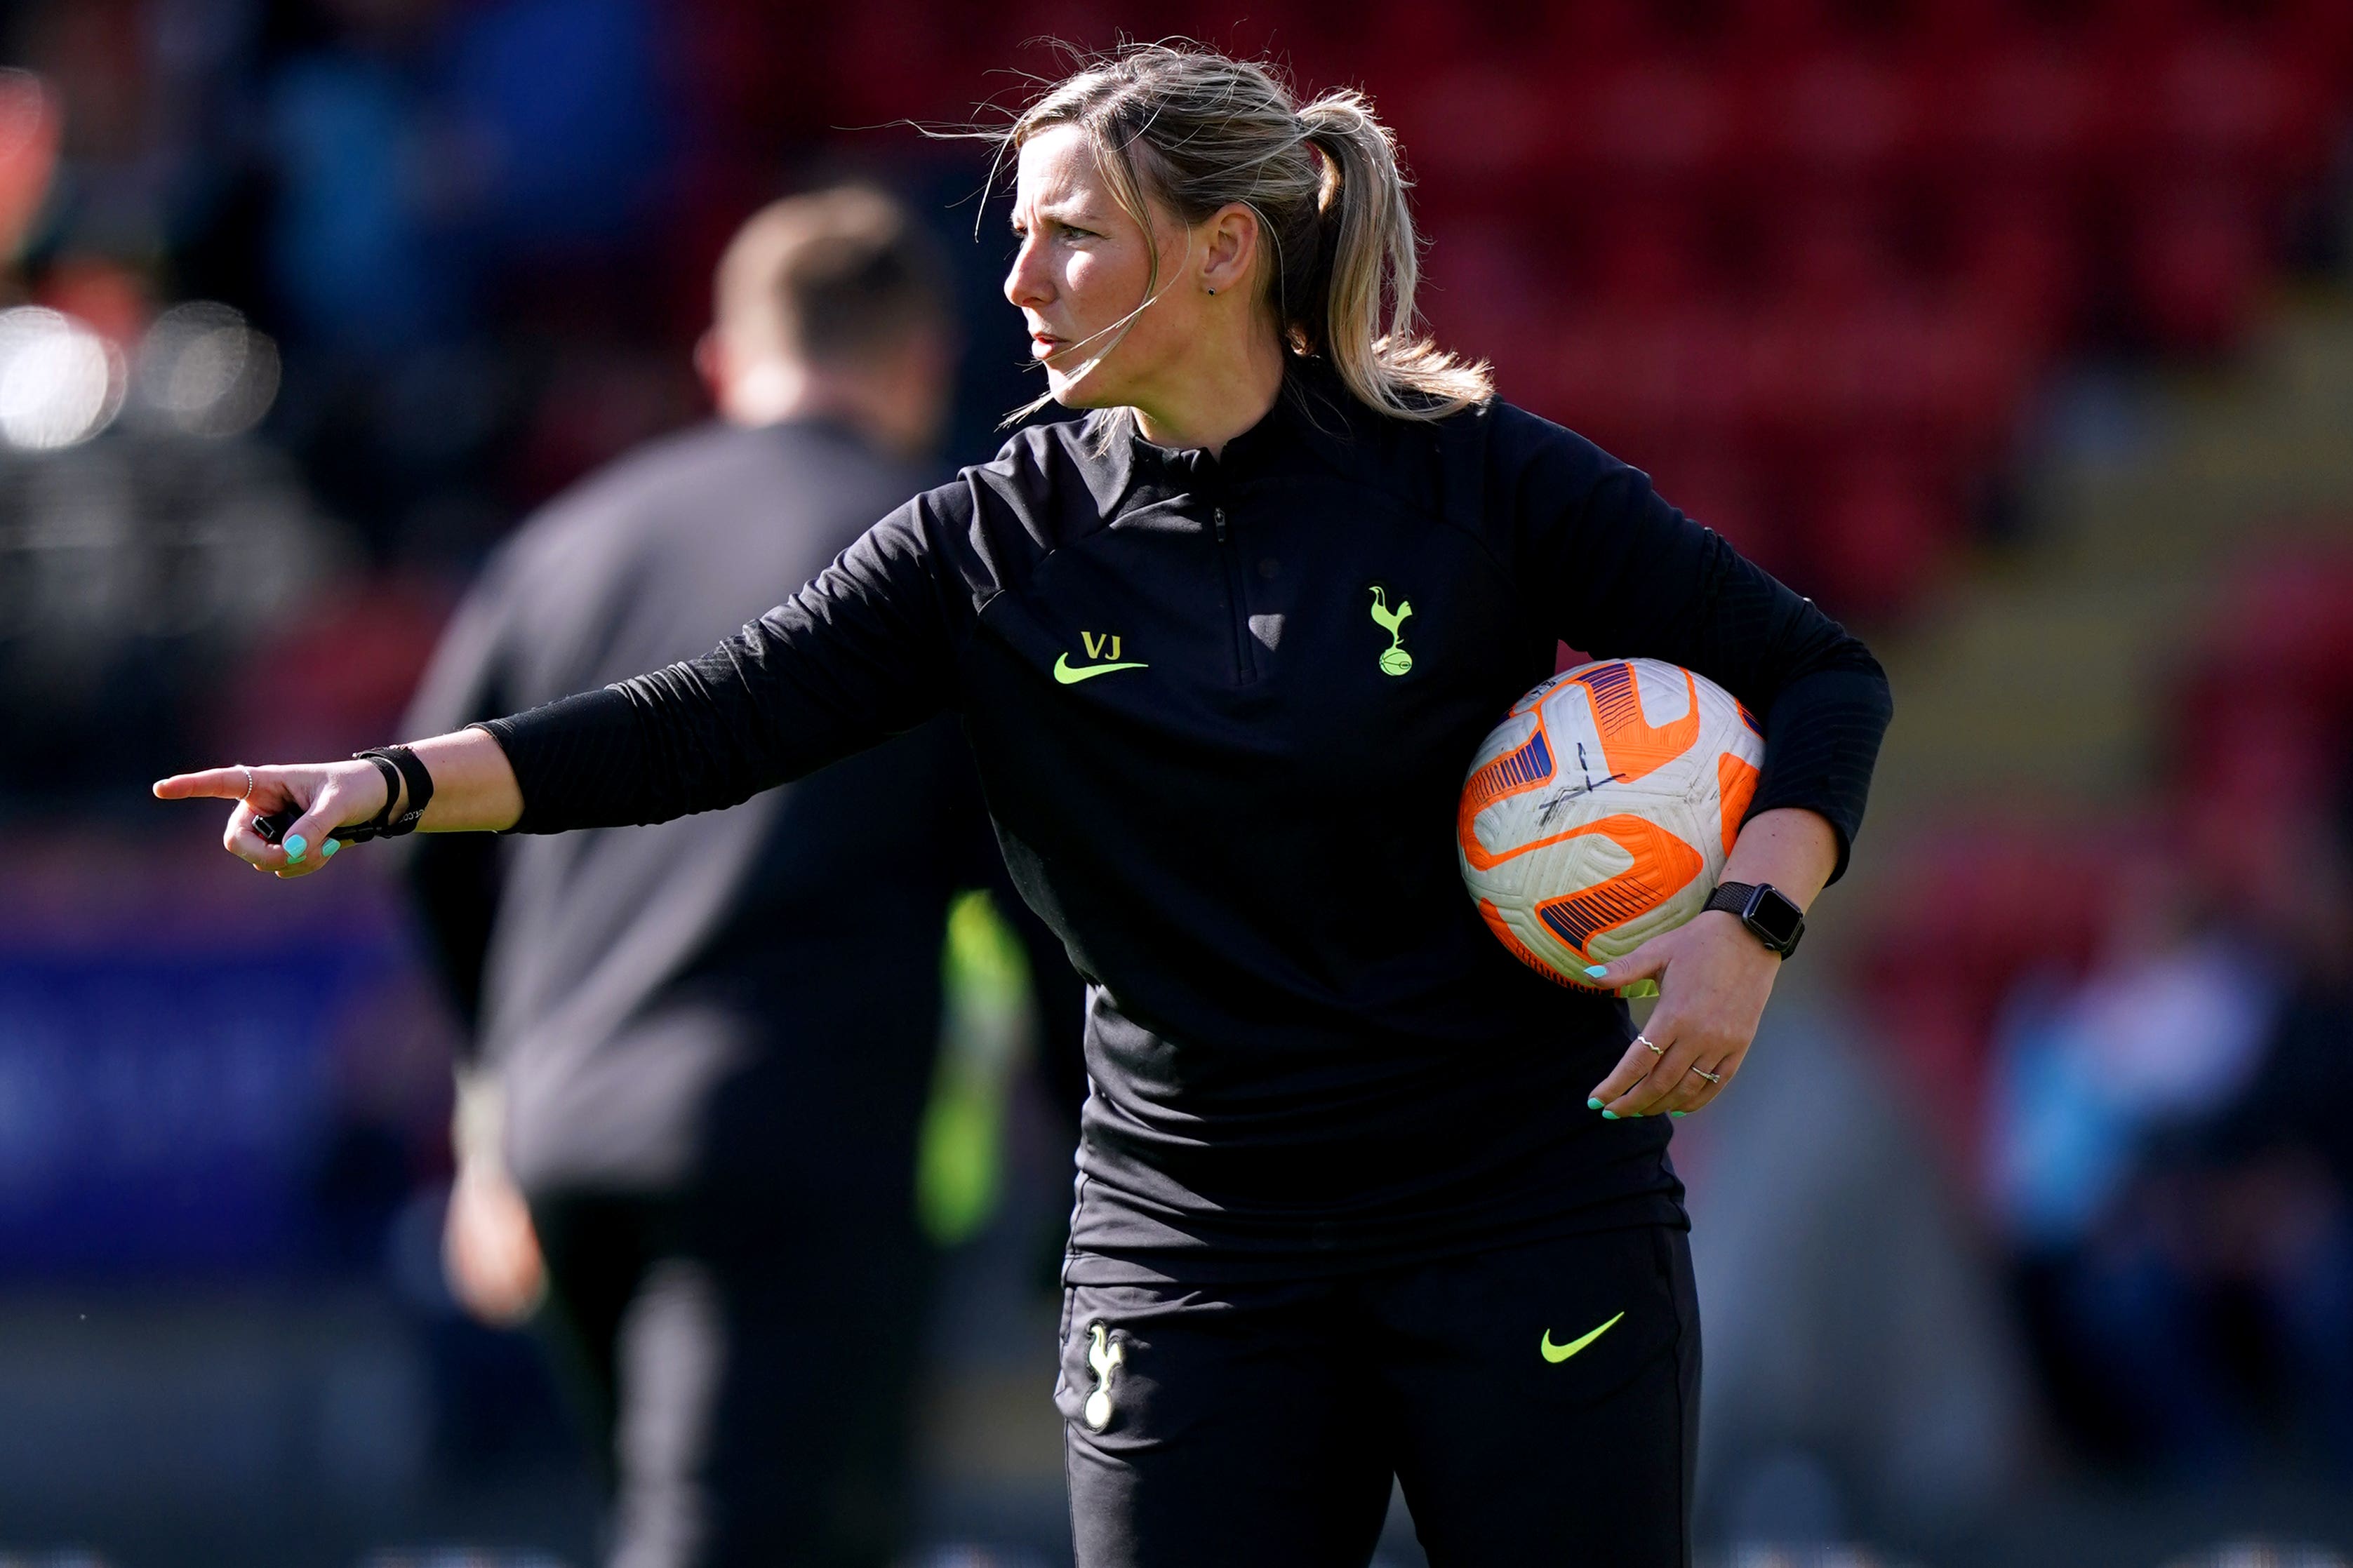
{"points": [[1642, 580], [1633, 576]]}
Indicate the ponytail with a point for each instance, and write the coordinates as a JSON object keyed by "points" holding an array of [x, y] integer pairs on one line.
{"points": [[1372, 251], [1198, 131]]}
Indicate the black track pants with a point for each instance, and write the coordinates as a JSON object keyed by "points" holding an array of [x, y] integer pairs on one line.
{"points": [[1539, 1404], [748, 1364]]}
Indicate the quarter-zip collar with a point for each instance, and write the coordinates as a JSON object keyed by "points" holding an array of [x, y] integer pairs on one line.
{"points": [[1313, 421]]}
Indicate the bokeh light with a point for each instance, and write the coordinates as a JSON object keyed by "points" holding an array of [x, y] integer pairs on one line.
{"points": [[61, 383], [201, 369]]}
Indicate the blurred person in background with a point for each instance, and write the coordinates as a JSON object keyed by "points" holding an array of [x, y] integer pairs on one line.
{"points": [[701, 1049], [464, 222], [2295, 1114], [2166, 1160]]}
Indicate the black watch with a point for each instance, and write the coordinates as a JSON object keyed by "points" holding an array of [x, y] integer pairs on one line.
{"points": [[1770, 918]]}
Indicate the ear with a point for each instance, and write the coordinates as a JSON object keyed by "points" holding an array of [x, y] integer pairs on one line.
{"points": [[710, 364], [1231, 236]]}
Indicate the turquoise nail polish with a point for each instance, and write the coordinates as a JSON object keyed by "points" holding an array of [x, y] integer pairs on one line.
{"points": [[1592, 1105], [1678, 1113], [1596, 970], [1608, 1116], [330, 846], [296, 848]]}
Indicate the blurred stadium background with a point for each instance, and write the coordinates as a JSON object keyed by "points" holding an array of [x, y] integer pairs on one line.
{"points": [[2019, 334]]}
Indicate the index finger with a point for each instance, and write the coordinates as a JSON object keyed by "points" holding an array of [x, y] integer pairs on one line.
{"points": [[213, 783]]}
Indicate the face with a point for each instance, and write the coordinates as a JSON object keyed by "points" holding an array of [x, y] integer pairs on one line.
{"points": [[1083, 266]]}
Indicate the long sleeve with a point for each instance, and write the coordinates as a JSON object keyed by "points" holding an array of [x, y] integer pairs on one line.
{"points": [[861, 654], [1625, 575]]}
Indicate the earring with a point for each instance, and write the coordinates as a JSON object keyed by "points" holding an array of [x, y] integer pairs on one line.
{"points": [[1213, 293]]}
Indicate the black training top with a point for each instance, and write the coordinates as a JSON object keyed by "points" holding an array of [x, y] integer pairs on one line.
{"points": [[1307, 1050]]}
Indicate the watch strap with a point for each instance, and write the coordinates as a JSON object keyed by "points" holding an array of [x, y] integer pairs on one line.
{"points": [[1731, 898]]}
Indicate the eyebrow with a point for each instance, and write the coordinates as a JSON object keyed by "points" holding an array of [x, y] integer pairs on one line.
{"points": [[1067, 213]]}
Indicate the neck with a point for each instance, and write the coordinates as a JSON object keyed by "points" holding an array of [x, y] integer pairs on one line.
{"points": [[774, 391], [1217, 394]]}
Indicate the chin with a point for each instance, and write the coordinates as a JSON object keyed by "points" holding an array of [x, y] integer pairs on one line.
{"points": [[1078, 391]]}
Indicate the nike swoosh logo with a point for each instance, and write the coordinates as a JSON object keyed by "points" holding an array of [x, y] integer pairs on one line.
{"points": [[1071, 675], [1557, 1353]]}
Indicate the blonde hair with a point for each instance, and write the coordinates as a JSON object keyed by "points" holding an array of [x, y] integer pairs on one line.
{"points": [[1198, 132]]}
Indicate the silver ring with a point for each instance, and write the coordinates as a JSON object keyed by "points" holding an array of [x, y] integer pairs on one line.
{"points": [[1711, 1077], [1656, 1049], [248, 782]]}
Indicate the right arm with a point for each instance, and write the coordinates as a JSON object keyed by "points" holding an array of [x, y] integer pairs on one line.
{"points": [[861, 654], [474, 791]]}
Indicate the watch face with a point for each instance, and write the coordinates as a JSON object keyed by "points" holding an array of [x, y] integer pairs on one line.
{"points": [[1774, 918]]}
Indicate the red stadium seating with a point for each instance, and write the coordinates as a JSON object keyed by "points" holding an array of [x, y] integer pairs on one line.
{"points": [[2196, 258], [1828, 247], [2035, 110], [2018, 259], [1834, 118]]}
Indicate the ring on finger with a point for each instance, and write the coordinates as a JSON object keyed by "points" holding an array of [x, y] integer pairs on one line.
{"points": [[1656, 1049], [248, 782], [1711, 1077]]}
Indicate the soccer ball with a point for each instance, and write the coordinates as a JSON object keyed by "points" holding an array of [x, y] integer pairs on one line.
{"points": [[1599, 812]]}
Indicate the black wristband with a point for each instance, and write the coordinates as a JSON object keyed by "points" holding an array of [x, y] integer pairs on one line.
{"points": [[420, 789], [399, 766], [377, 826]]}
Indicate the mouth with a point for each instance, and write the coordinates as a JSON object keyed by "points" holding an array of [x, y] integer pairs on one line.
{"points": [[1044, 345]]}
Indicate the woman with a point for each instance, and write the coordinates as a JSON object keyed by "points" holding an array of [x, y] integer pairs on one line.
{"points": [[1359, 1195]]}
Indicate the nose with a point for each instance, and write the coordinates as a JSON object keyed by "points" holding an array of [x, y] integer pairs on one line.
{"points": [[1025, 283]]}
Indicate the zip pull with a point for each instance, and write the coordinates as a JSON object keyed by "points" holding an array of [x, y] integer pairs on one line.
{"points": [[1219, 514]]}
